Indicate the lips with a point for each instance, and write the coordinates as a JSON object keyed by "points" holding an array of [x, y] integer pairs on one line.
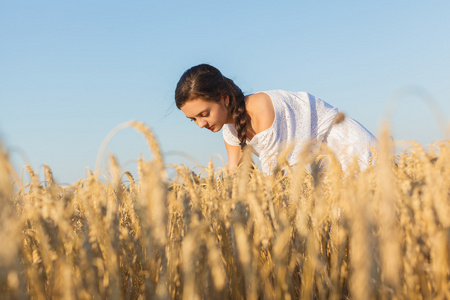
{"points": [[211, 128]]}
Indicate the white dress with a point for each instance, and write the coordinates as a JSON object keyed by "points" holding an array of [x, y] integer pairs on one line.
{"points": [[300, 117]]}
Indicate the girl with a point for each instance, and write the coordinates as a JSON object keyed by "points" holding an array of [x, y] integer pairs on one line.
{"points": [[267, 121]]}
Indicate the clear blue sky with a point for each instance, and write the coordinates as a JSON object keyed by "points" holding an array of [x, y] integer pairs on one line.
{"points": [[70, 71]]}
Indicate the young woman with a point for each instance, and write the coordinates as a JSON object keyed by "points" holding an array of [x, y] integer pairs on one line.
{"points": [[267, 121]]}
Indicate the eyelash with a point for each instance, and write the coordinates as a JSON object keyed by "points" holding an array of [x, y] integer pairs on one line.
{"points": [[204, 116]]}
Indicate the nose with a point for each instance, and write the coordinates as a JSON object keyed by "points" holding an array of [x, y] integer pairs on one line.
{"points": [[201, 123]]}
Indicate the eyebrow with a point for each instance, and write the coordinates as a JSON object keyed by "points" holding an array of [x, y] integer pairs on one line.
{"points": [[197, 114]]}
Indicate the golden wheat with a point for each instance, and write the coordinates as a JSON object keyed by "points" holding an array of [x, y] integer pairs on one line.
{"points": [[302, 233]]}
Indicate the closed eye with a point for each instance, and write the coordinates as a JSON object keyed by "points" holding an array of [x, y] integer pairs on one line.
{"points": [[202, 114]]}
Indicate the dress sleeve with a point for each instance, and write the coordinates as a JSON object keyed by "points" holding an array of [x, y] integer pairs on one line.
{"points": [[230, 135]]}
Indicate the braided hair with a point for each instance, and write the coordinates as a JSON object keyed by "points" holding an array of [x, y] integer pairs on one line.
{"points": [[206, 82]]}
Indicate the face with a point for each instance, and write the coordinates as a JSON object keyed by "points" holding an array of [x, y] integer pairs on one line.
{"points": [[207, 114]]}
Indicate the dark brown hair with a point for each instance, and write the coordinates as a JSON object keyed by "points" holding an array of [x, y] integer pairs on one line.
{"points": [[206, 82]]}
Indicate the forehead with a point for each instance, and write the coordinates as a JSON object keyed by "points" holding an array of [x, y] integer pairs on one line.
{"points": [[196, 106]]}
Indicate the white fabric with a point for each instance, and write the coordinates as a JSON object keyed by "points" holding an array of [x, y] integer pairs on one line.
{"points": [[300, 117]]}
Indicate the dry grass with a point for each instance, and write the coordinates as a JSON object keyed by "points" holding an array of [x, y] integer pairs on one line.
{"points": [[382, 233]]}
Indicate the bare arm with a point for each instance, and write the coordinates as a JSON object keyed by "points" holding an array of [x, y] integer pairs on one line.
{"points": [[262, 115], [234, 156]]}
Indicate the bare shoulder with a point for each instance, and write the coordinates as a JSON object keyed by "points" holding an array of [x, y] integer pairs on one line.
{"points": [[260, 109], [257, 103]]}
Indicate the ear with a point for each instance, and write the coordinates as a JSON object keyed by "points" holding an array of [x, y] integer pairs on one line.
{"points": [[226, 100]]}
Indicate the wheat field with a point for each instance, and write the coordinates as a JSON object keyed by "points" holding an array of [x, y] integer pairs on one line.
{"points": [[303, 233]]}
